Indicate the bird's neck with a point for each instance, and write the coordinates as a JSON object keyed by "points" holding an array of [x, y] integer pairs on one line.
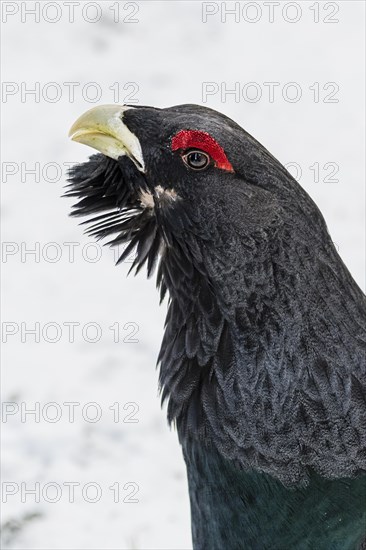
{"points": [[251, 358], [235, 509]]}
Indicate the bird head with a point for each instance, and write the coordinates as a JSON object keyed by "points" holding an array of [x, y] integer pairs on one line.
{"points": [[182, 179]]}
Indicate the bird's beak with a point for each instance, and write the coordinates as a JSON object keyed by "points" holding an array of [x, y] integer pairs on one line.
{"points": [[103, 129]]}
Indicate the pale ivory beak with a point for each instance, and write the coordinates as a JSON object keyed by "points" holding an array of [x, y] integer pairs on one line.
{"points": [[103, 129]]}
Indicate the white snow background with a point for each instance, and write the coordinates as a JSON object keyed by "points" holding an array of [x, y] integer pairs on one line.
{"points": [[168, 53]]}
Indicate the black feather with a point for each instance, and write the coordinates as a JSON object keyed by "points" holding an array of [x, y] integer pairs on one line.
{"points": [[263, 357], [114, 187]]}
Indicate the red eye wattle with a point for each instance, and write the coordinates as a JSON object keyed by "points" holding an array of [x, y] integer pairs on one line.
{"points": [[196, 139]]}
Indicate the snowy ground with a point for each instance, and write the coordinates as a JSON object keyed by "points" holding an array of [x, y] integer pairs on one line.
{"points": [[163, 58]]}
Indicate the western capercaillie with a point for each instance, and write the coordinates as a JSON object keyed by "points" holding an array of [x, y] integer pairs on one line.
{"points": [[263, 357]]}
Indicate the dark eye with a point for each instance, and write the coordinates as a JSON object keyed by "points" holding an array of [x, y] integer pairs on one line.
{"points": [[197, 160]]}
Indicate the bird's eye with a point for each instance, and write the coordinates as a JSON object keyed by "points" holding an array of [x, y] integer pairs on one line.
{"points": [[197, 160]]}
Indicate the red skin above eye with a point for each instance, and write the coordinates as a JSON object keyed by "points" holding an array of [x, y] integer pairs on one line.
{"points": [[195, 139]]}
